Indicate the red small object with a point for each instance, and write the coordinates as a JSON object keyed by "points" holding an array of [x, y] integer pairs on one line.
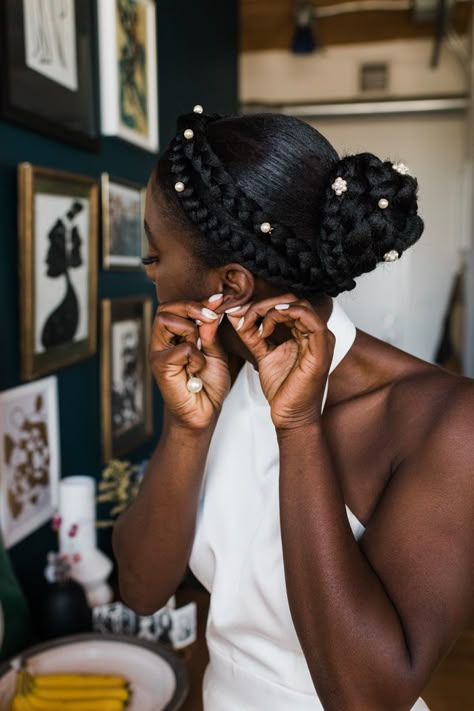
{"points": [[76, 558], [73, 530], [56, 522]]}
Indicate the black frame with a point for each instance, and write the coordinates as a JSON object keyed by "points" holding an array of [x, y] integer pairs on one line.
{"points": [[34, 100]]}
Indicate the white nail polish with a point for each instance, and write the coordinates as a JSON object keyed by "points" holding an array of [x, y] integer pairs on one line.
{"points": [[221, 317], [282, 307], [233, 309], [209, 314], [240, 324], [215, 297], [260, 329], [199, 344], [198, 322]]}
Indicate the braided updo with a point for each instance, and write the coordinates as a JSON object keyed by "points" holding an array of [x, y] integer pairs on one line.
{"points": [[257, 190]]}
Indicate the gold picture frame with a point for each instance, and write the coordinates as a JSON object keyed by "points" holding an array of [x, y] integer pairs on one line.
{"points": [[57, 221], [126, 383], [123, 237]]}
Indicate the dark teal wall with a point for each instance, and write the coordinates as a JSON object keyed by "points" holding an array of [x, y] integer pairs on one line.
{"points": [[197, 63]]}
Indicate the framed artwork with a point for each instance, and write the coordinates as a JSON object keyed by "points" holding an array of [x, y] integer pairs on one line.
{"points": [[128, 71], [58, 268], [29, 458], [126, 385], [123, 241], [48, 58]]}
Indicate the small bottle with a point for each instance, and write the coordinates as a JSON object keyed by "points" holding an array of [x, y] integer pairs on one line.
{"points": [[64, 610]]}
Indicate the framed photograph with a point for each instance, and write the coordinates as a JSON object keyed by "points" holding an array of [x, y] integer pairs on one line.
{"points": [[58, 268], [29, 458], [123, 241], [48, 61], [128, 71], [126, 385]]}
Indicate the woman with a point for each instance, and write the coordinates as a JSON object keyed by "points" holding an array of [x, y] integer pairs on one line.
{"points": [[333, 525]]}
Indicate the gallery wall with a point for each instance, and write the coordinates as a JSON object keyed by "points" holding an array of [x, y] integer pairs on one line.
{"points": [[197, 63]]}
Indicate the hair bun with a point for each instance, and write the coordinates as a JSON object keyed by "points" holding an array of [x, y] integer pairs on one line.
{"points": [[356, 230]]}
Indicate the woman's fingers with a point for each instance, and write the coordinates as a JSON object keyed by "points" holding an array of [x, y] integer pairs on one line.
{"points": [[184, 355], [176, 320]]}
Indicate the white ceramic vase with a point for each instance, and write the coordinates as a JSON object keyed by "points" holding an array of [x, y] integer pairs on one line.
{"points": [[77, 509]]}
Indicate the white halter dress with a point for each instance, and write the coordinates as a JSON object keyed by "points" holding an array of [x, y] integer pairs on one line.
{"points": [[256, 660]]}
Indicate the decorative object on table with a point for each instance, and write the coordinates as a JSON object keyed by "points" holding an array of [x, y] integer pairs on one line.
{"points": [[77, 511], [128, 76], [48, 77], [58, 268], [119, 485], [158, 678], [29, 458], [15, 625], [175, 627], [64, 609], [123, 241], [126, 386]]}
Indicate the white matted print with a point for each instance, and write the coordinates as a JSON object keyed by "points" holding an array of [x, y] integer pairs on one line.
{"points": [[29, 458], [61, 300], [51, 41], [128, 71], [123, 239]]}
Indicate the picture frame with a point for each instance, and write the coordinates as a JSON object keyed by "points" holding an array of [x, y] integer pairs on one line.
{"points": [[48, 58], [123, 211], [57, 219], [126, 383], [29, 458], [128, 71]]}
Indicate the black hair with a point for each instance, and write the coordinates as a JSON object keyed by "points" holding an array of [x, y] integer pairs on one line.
{"points": [[238, 172]]}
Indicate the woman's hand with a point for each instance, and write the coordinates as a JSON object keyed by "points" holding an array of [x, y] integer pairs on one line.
{"points": [[180, 349], [293, 374]]}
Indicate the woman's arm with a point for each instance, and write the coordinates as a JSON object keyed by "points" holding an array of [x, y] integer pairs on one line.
{"points": [[374, 619], [152, 539]]}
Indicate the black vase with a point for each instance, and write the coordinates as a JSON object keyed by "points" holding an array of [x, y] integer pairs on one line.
{"points": [[64, 610]]}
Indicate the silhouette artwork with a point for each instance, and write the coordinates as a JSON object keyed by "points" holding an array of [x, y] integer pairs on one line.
{"points": [[63, 254]]}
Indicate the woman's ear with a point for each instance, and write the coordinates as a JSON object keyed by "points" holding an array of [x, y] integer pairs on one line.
{"points": [[238, 285]]}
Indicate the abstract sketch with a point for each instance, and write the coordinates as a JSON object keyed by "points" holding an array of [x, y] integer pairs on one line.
{"points": [[132, 64], [29, 457], [61, 303], [50, 40], [127, 376]]}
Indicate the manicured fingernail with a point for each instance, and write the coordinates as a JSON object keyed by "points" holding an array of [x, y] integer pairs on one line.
{"points": [[221, 317], [233, 309], [209, 314], [215, 297], [199, 344], [240, 324], [260, 329], [198, 322], [282, 307]]}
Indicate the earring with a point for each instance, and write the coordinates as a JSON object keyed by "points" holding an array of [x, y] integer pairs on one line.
{"points": [[194, 384]]}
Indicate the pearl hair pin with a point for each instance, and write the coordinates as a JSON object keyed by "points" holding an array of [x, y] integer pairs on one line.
{"points": [[198, 109], [266, 227], [383, 203], [188, 134], [391, 256], [179, 186], [339, 186]]}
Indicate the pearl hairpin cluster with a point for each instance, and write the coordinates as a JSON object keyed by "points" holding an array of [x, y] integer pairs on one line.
{"points": [[340, 186]]}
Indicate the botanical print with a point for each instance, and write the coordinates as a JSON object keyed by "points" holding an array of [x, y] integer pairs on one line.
{"points": [[50, 40], [127, 376], [125, 224], [29, 458], [131, 20], [61, 301]]}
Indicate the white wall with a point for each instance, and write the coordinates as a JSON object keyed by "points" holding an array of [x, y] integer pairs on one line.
{"points": [[278, 76]]}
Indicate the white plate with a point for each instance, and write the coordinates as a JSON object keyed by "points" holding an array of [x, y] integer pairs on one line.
{"points": [[158, 679]]}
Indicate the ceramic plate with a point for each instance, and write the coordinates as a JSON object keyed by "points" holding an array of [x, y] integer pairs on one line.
{"points": [[158, 678]]}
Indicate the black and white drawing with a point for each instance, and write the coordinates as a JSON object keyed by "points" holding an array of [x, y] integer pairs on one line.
{"points": [[29, 458], [50, 40], [127, 378], [61, 271]]}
